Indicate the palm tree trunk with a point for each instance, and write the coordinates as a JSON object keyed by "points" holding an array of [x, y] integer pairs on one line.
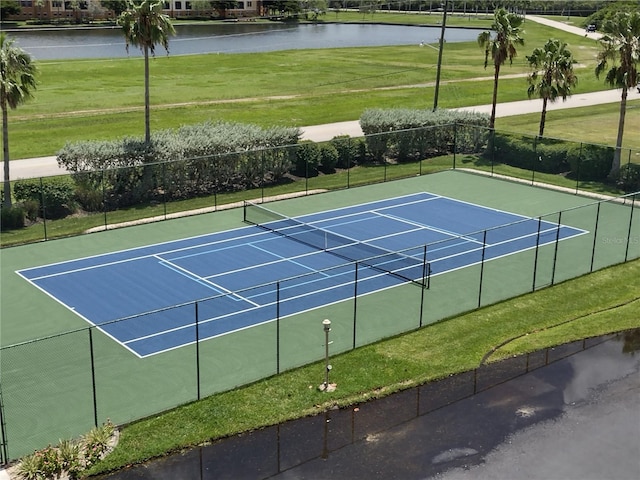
{"points": [[543, 116], [496, 75], [6, 200], [615, 167], [147, 127]]}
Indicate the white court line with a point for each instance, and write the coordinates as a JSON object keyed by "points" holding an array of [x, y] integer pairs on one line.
{"points": [[255, 307], [140, 257], [202, 281]]}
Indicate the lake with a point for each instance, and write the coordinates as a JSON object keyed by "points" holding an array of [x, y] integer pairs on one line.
{"points": [[245, 37]]}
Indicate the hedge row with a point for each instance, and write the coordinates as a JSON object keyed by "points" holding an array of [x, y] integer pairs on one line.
{"points": [[178, 164], [419, 134], [583, 161]]}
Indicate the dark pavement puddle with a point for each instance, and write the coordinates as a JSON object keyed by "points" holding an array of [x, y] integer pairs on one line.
{"points": [[418, 433]]}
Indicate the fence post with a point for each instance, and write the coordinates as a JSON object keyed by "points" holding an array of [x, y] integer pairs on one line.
{"points": [[4, 457], [492, 146], [262, 174], [93, 378], [44, 209], [350, 149], [626, 251], [164, 188], [455, 143], [535, 257], [277, 327], [355, 303], [555, 251], [578, 169], [424, 283], [533, 160], [104, 198], [197, 318], [484, 246], [306, 175], [595, 237]]}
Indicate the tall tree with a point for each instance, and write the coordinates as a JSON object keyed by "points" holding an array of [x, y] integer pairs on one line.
{"points": [[17, 82], [221, 6], [552, 75], [619, 58], [116, 6], [500, 43], [144, 25]]}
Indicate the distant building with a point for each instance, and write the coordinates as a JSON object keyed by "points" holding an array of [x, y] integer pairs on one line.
{"points": [[87, 10]]}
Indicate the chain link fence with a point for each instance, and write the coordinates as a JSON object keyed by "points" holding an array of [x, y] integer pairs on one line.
{"points": [[61, 386], [159, 191]]}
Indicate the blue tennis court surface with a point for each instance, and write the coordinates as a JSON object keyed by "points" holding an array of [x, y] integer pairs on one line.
{"points": [[237, 270]]}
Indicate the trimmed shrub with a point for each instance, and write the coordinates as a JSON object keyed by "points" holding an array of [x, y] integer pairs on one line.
{"points": [[348, 150], [187, 162], [55, 195], [629, 177], [530, 153], [12, 217], [307, 159], [328, 158], [419, 134], [591, 162]]}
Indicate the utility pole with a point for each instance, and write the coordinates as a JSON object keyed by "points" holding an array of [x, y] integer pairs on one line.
{"points": [[444, 27]]}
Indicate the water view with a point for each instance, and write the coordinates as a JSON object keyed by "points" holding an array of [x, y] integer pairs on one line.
{"points": [[76, 43]]}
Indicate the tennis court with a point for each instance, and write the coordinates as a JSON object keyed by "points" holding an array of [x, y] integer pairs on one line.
{"points": [[393, 241]]}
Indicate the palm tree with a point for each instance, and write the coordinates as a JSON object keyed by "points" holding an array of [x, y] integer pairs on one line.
{"points": [[144, 25], [552, 75], [500, 43], [620, 46], [17, 81]]}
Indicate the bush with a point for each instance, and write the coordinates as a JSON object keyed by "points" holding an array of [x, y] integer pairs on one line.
{"points": [[419, 134], [328, 158], [12, 218], [55, 196], [629, 177], [531, 153], [69, 458], [89, 199], [307, 159], [348, 150], [591, 162], [184, 163]]}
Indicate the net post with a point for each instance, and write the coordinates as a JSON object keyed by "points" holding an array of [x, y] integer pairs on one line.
{"points": [[244, 211]]}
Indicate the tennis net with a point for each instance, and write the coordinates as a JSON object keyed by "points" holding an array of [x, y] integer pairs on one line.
{"points": [[406, 267]]}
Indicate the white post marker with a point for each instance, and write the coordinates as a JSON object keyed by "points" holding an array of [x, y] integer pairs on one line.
{"points": [[326, 386]]}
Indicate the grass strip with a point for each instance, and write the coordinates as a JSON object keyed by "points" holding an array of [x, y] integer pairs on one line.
{"points": [[548, 317]]}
